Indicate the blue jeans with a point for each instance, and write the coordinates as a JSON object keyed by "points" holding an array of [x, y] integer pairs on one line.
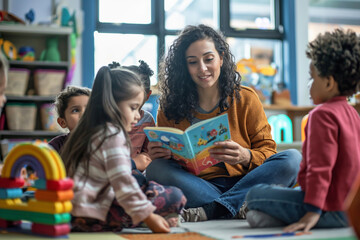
{"points": [[280, 168], [288, 206]]}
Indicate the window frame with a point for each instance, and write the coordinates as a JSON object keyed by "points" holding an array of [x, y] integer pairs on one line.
{"points": [[157, 25]]}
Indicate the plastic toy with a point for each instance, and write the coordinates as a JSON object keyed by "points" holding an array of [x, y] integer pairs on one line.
{"points": [[30, 16], [9, 49], [51, 53], [26, 53], [9, 17], [281, 128], [49, 211], [304, 121]]}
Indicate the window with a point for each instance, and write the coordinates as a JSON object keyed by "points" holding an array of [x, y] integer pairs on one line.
{"points": [[127, 31], [124, 11], [179, 13], [328, 15], [256, 14], [127, 49]]}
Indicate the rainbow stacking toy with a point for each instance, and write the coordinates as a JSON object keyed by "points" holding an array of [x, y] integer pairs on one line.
{"points": [[49, 212]]}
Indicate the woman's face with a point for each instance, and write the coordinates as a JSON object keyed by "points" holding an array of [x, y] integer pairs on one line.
{"points": [[204, 63]]}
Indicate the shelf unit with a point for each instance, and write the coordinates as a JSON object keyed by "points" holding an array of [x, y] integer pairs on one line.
{"points": [[35, 37]]}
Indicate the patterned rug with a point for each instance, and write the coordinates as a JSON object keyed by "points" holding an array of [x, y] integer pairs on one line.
{"points": [[162, 236]]}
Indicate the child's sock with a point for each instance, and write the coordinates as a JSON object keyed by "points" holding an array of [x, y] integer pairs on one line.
{"points": [[257, 219]]}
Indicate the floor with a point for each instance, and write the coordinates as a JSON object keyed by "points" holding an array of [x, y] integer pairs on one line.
{"points": [[220, 229]]}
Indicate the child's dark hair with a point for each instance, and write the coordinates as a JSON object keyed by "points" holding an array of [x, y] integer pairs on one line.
{"points": [[63, 98], [111, 86], [337, 54], [179, 96], [144, 71]]}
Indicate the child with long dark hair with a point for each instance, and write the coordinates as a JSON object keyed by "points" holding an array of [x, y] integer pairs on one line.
{"points": [[97, 156]]}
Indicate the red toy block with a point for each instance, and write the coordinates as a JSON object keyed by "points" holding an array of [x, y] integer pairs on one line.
{"points": [[50, 230], [57, 185], [7, 224], [11, 182]]}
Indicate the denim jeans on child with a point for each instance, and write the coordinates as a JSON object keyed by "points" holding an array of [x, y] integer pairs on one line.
{"points": [[280, 168], [287, 205]]}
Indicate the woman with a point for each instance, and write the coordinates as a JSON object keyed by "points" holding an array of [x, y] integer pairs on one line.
{"points": [[199, 81]]}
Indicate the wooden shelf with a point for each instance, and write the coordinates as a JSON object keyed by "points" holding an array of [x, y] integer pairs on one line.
{"points": [[40, 64], [11, 134], [30, 98], [22, 30]]}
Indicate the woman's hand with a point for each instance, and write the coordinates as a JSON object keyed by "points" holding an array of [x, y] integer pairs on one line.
{"points": [[142, 160], [155, 150], [231, 152], [157, 223], [308, 221]]}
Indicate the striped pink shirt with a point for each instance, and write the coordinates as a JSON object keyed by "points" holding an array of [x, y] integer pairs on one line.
{"points": [[109, 177]]}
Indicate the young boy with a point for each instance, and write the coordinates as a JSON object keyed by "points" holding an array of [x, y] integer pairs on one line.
{"points": [[331, 153], [138, 138], [70, 105]]}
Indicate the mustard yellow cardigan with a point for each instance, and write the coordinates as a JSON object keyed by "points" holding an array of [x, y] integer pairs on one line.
{"points": [[248, 127]]}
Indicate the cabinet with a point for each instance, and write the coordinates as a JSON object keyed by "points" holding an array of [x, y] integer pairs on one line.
{"points": [[35, 37]]}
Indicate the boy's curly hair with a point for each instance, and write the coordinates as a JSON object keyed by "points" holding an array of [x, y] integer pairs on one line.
{"points": [[337, 54], [179, 96], [63, 98]]}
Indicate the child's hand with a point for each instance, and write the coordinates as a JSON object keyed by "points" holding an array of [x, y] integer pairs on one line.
{"points": [[308, 221], [157, 223], [155, 150]]}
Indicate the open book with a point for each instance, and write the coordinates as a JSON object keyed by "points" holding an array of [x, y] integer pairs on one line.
{"points": [[191, 146]]}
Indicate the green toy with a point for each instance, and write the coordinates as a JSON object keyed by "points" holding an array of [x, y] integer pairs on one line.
{"points": [[51, 53]]}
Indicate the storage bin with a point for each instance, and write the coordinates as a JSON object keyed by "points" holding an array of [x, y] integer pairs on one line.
{"points": [[21, 116], [18, 79], [48, 82]]}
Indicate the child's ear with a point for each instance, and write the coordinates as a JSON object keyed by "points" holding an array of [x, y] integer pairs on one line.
{"points": [[62, 122], [331, 83]]}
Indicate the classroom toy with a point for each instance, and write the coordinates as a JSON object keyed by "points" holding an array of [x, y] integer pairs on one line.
{"points": [[51, 53], [281, 128], [304, 121], [50, 210], [9, 49]]}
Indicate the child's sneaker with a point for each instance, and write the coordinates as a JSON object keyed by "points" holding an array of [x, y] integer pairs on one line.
{"points": [[257, 219], [242, 212], [193, 215]]}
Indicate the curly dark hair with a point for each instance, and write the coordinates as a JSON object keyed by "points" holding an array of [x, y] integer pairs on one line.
{"points": [[179, 96], [337, 54], [144, 71]]}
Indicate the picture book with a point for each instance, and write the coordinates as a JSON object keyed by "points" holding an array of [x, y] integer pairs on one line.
{"points": [[191, 147]]}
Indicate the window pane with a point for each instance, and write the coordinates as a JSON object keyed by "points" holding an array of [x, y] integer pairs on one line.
{"points": [[179, 13], [328, 15], [252, 14], [124, 11], [259, 63], [127, 49]]}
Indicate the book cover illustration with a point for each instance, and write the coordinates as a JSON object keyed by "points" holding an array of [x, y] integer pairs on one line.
{"points": [[191, 147]]}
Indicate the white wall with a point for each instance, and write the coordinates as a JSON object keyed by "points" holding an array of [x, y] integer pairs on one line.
{"points": [[302, 62]]}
